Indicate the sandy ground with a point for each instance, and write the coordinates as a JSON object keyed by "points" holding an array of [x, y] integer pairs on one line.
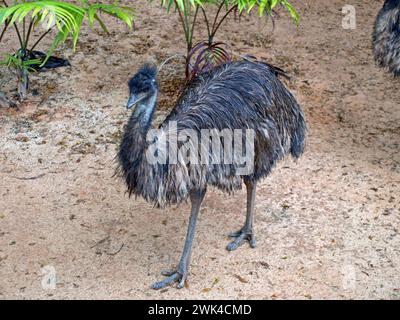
{"points": [[327, 226]]}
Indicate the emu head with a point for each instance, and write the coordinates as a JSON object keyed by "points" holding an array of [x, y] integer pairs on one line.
{"points": [[142, 86]]}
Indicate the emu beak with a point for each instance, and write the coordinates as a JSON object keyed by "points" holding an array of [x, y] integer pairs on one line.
{"points": [[131, 102], [134, 100]]}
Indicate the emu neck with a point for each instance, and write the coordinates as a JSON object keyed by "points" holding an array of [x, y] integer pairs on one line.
{"points": [[143, 113], [134, 139]]}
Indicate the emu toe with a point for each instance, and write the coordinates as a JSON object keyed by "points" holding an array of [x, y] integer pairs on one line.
{"points": [[172, 276], [240, 237]]}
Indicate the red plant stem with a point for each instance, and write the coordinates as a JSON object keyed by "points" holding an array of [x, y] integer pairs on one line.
{"points": [[182, 20], [40, 39], [24, 30], [207, 23], [216, 16], [4, 30], [220, 22], [192, 30], [29, 33]]}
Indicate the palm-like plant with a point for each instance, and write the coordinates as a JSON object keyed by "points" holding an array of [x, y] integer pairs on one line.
{"points": [[63, 17], [207, 54]]}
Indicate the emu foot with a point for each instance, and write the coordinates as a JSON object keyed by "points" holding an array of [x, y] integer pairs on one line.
{"points": [[241, 236], [172, 276]]}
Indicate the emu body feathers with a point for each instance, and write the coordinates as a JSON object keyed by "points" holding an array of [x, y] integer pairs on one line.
{"points": [[386, 37], [237, 95]]}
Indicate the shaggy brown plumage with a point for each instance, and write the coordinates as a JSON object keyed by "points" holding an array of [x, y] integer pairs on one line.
{"points": [[240, 96], [386, 37]]}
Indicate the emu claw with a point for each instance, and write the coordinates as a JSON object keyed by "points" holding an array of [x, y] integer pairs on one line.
{"points": [[241, 236], [172, 276]]}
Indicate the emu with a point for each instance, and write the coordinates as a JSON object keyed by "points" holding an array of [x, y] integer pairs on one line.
{"points": [[237, 95], [386, 37]]}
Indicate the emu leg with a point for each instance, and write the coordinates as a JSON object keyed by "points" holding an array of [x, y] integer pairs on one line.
{"points": [[246, 233], [181, 273]]}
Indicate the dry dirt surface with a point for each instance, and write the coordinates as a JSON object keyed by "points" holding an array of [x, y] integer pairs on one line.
{"points": [[327, 226]]}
